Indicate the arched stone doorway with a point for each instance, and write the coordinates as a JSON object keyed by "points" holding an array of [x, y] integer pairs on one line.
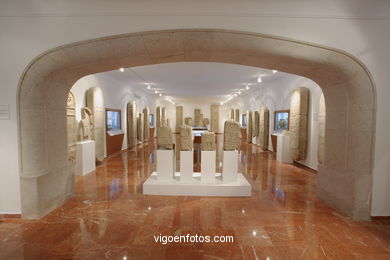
{"points": [[344, 179]]}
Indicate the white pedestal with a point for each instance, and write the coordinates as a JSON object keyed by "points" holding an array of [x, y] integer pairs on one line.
{"points": [[239, 188], [229, 166], [85, 157], [186, 166], [165, 164], [207, 167], [283, 149]]}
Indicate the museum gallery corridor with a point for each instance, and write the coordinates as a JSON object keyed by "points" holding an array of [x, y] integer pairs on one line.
{"points": [[109, 218]]}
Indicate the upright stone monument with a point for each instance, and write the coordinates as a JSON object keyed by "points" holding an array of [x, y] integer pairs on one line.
{"points": [[255, 126], [86, 125], [71, 127], [208, 141], [165, 138], [249, 126], [231, 135], [264, 128], [197, 116], [146, 124], [140, 127], [215, 118], [186, 138], [95, 102], [131, 124], [179, 117], [298, 123], [158, 119], [237, 116], [188, 121]]}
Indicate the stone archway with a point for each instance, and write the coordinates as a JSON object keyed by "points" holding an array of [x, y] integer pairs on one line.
{"points": [[344, 179]]}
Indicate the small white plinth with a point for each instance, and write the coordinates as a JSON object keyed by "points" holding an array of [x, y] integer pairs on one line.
{"points": [[239, 188], [207, 167], [85, 157], [165, 164], [229, 166], [186, 166], [283, 149]]}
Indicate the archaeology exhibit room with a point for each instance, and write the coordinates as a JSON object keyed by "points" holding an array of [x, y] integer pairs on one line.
{"points": [[195, 129]]}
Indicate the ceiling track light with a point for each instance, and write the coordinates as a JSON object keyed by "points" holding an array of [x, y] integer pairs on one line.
{"points": [[259, 80]]}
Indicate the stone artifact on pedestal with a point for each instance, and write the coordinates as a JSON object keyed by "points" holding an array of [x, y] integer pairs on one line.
{"points": [[321, 130], [298, 123], [146, 124], [188, 121], [95, 103], [215, 118], [140, 127], [186, 138], [179, 118], [71, 127], [255, 126], [86, 125], [264, 128], [237, 116], [131, 124], [231, 135], [158, 119], [249, 126], [208, 141], [165, 138], [197, 116]]}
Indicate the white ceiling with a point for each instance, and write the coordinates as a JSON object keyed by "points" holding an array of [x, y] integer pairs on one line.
{"points": [[195, 82]]}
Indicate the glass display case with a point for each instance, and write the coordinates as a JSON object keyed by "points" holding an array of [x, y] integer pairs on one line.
{"points": [[281, 120], [113, 119]]}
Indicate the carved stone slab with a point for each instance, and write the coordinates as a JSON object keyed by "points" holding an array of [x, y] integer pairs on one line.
{"points": [[231, 135], [208, 141], [163, 116], [255, 126], [232, 114], [298, 123], [146, 124], [158, 119], [321, 130], [188, 121], [179, 118], [249, 126], [72, 129], [186, 138], [95, 102], [86, 125], [215, 118], [197, 113], [237, 116], [131, 124], [264, 128], [140, 127], [165, 138]]}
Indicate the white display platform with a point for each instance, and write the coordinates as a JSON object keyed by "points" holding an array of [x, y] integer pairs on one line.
{"points": [[239, 188], [186, 166], [207, 167], [229, 166], [85, 157], [283, 149], [165, 164]]}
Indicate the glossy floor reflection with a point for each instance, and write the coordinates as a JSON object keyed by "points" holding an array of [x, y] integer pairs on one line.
{"points": [[109, 218]]}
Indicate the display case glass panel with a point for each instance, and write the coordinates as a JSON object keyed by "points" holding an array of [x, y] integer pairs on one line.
{"points": [[113, 119], [281, 120]]}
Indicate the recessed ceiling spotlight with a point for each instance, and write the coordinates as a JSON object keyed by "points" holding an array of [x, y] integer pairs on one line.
{"points": [[149, 86], [155, 92], [274, 71], [121, 69], [259, 80], [247, 87], [160, 94]]}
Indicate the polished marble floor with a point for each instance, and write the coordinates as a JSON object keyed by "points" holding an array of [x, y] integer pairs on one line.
{"points": [[109, 218]]}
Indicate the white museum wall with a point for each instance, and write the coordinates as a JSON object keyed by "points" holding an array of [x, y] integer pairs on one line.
{"points": [[276, 96], [27, 29], [116, 96]]}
